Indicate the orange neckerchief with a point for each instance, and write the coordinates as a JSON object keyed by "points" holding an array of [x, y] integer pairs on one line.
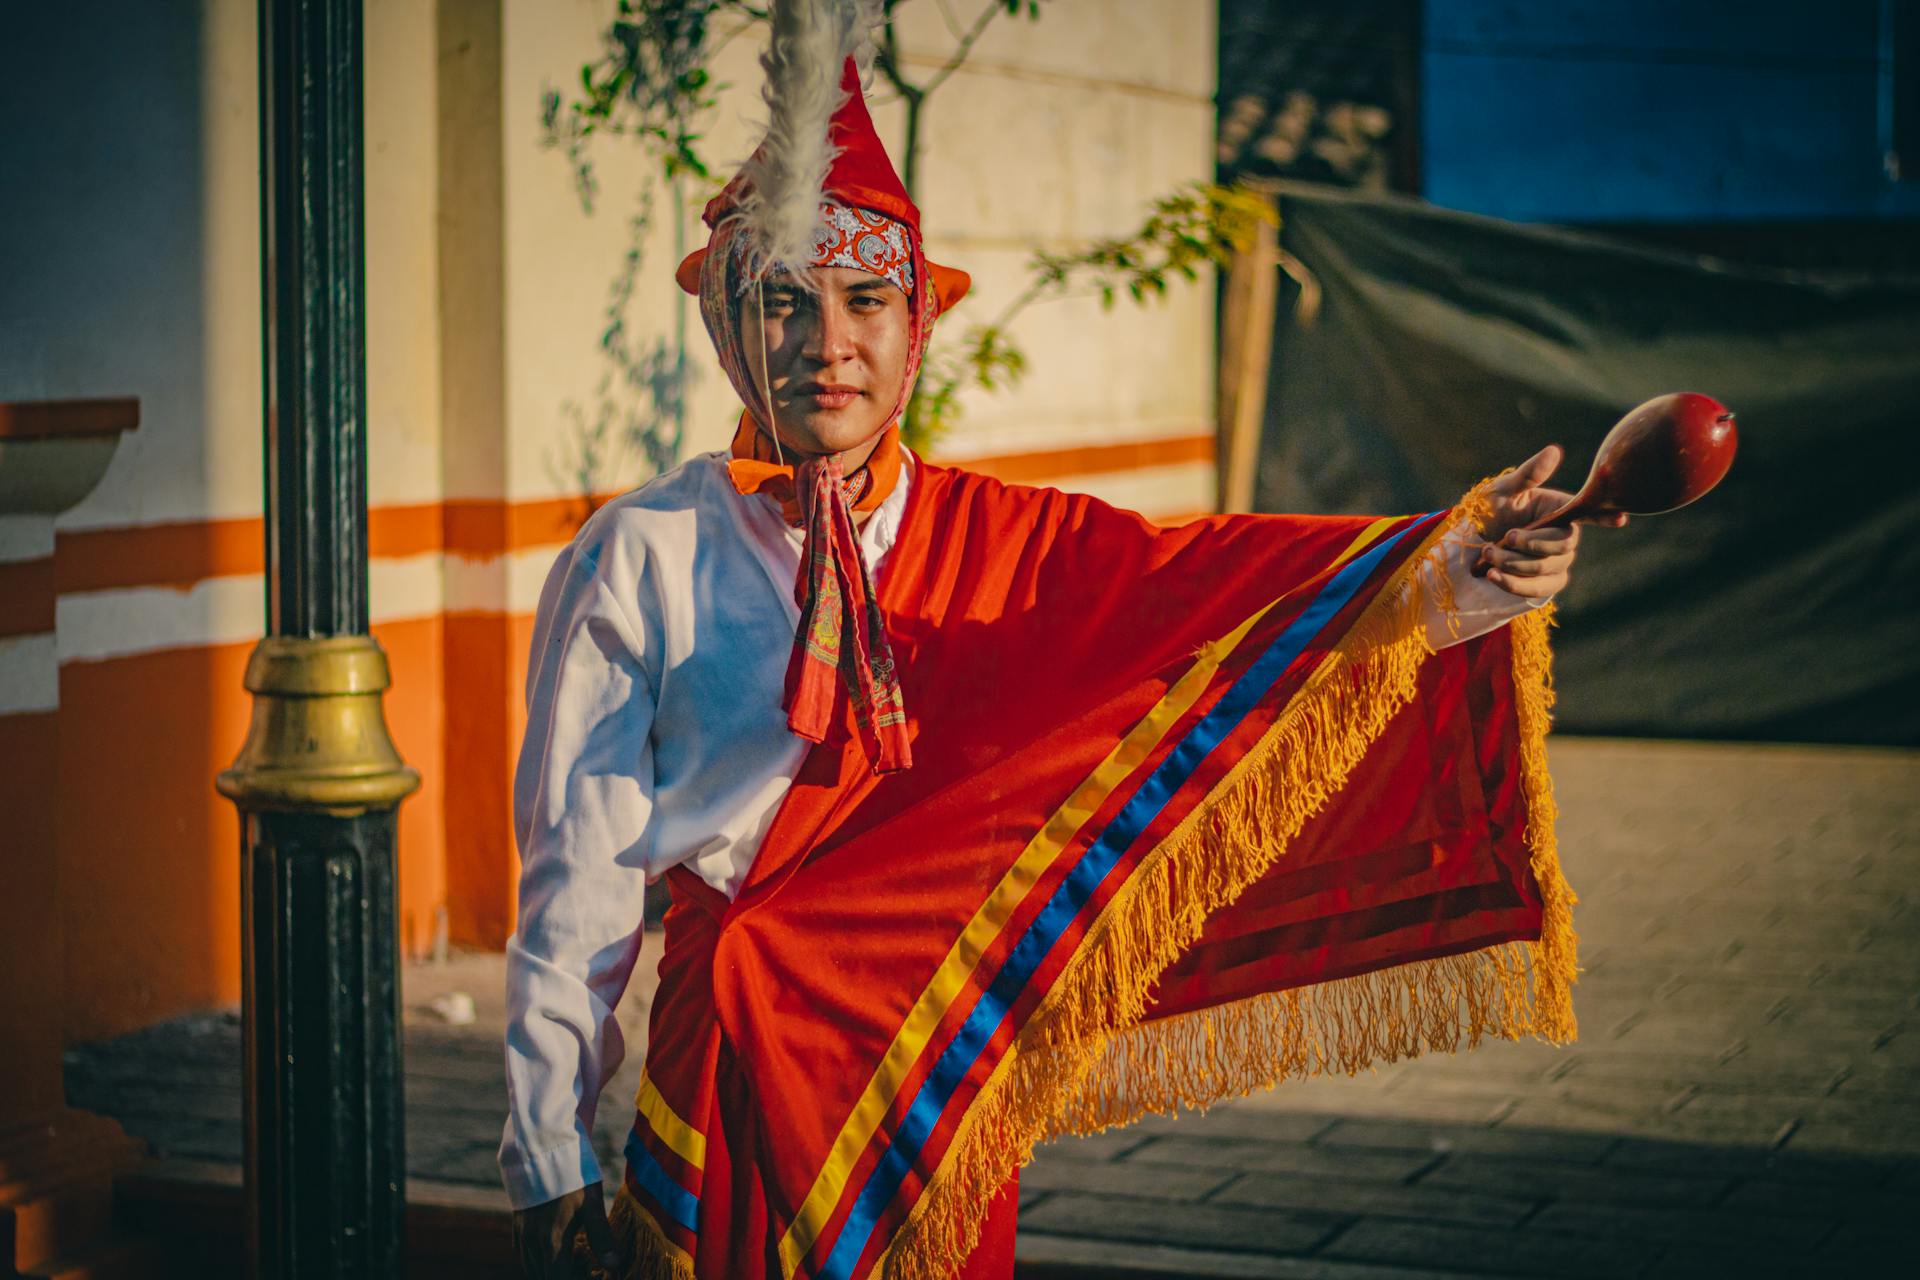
{"points": [[841, 641], [756, 468]]}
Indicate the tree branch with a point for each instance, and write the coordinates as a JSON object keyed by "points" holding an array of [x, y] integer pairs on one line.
{"points": [[946, 16], [987, 15], [887, 58]]}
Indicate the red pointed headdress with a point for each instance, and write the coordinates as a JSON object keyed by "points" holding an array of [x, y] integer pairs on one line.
{"points": [[860, 176]]}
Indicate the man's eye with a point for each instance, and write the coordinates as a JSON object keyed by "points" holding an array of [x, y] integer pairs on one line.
{"points": [[780, 301]]}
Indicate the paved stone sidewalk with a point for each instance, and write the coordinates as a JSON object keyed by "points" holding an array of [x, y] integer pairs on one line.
{"points": [[1742, 1097]]}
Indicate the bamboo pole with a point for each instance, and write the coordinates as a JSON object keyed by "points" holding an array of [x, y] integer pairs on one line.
{"points": [[1246, 345]]}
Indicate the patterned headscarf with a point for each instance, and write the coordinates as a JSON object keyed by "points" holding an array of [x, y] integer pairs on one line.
{"points": [[867, 240]]}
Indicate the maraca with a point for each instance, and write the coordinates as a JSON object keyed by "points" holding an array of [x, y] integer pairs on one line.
{"points": [[1667, 453]]}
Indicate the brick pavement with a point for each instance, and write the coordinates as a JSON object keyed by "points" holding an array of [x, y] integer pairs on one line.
{"points": [[1742, 1097]]}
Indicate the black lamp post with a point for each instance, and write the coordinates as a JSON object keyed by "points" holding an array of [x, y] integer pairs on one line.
{"points": [[318, 782]]}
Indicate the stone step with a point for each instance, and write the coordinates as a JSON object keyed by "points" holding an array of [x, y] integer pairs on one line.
{"points": [[35, 1159], [61, 1221], [111, 1259], [196, 1209]]}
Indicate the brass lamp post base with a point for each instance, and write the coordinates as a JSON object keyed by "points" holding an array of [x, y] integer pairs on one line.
{"points": [[318, 740], [318, 785]]}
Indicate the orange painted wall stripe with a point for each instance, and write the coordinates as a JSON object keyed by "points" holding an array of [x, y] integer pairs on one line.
{"points": [[157, 554], [54, 419], [1128, 455], [183, 553], [482, 527], [155, 934], [404, 530], [483, 660], [26, 597], [33, 981]]}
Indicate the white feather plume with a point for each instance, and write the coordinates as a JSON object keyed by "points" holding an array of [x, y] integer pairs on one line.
{"points": [[779, 205], [867, 17]]}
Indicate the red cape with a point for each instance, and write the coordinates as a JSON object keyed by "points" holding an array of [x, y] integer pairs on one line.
{"points": [[1192, 811]]}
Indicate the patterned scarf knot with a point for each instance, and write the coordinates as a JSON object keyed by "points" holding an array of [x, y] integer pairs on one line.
{"points": [[842, 638]]}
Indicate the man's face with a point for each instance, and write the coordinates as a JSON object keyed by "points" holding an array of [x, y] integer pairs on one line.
{"points": [[835, 360]]}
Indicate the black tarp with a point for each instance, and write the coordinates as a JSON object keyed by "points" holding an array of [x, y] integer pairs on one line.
{"points": [[1782, 606]]}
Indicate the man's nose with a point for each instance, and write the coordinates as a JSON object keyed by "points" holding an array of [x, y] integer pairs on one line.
{"points": [[829, 337]]}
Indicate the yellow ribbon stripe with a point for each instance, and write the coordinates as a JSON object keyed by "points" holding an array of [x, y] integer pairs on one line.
{"points": [[681, 1138], [1365, 539], [964, 956]]}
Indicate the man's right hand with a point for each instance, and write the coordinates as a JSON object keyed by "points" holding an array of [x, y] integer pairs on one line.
{"points": [[543, 1236]]}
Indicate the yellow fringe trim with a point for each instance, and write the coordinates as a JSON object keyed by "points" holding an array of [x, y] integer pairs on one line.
{"points": [[651, 1256], [1084, 1062]]}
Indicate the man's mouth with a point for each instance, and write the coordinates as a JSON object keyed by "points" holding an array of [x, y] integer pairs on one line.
{"points": [[827, 395]]}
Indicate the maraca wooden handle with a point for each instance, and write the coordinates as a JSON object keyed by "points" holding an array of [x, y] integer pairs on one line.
{"points": [[1566, 513], [1664, 454]]}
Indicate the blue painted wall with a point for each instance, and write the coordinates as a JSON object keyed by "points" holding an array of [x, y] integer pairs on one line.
{"points": [[1658, 110]]}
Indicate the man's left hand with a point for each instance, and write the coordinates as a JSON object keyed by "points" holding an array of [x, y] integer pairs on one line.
{"points": [[1535, 563]]}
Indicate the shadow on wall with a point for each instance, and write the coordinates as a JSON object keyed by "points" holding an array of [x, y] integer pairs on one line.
{"points": [[103, 272], [104, 261]]}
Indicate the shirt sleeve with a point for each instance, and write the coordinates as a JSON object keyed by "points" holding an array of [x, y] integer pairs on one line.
{"points": [[582, 798], [1479, 605]]}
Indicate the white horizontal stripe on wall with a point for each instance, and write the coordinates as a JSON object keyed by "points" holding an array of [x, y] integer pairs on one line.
{"points": [[29, 674], [1182, 489], [96, 626], [25, 538], [470, 585], [404, 587], [498, 584]]}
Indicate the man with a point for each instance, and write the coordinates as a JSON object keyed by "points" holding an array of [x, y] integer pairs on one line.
{"points": [[990, 813]]}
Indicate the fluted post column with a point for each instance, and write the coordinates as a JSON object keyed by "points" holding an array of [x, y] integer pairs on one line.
{"points": [[318, 782]]}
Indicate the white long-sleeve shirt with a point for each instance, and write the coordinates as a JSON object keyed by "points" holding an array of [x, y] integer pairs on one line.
{"points": [[655, 738]]}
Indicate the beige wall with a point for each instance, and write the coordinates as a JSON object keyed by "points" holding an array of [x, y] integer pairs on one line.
{"points": [[1054, 133], [561, 259], [403, 303]]}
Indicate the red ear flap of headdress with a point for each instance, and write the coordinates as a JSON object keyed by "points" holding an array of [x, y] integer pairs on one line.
{"points": [[687, 274], [950, 284]]}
